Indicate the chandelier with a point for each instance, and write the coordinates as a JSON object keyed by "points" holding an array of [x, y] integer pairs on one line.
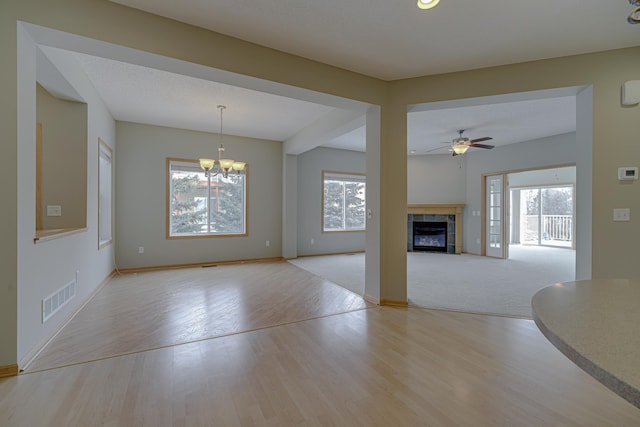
{"points": [[221, 166]]}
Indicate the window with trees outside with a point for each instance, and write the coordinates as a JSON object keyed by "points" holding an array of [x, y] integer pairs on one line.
{"points": [[343, 204], [201, 206]]}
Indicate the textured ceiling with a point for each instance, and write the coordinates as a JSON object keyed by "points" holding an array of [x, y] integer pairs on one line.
{"points": [[394, 39], [431, 132], [145, 95]]}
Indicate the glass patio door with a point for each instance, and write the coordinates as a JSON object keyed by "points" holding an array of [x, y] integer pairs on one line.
{"points": [[547, 216]]}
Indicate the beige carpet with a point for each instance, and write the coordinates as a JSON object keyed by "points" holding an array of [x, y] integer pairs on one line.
{"points": [[462, 282]]}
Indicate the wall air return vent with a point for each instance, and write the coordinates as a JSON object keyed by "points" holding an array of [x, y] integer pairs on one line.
{"points": [[54, 302]]}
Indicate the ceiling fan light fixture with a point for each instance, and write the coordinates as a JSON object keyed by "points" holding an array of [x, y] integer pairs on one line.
{"points": [[427, 4], [460, 148]]}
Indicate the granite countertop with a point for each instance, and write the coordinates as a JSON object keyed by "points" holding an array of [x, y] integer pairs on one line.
{"points": [[596, 324]]}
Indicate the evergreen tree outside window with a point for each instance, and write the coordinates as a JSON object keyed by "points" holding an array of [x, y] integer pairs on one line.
{"points": [[343, 204], [205, 206]]}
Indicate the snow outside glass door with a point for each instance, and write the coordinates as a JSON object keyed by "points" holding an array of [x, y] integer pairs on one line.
{"points": [[494, 239]]}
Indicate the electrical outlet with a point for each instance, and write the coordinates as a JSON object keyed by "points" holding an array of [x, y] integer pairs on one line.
{"points": [[267, 243], [140, 249], [312, 241]]}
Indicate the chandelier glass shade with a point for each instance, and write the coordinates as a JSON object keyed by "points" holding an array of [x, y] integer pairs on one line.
{"points": [[221, 166]]}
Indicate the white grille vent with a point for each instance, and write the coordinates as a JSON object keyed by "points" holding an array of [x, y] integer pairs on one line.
{"points": [[57, 300]]}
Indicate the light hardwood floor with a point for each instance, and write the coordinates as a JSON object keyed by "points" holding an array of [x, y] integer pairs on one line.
{"points": [[379, 366], [136, 312]]}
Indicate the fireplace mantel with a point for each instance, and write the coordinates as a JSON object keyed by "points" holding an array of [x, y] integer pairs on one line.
{"points": [[442, 209], [437, 209]]}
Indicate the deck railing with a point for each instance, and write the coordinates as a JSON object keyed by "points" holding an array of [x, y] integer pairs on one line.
{"points": [[557, 227]]}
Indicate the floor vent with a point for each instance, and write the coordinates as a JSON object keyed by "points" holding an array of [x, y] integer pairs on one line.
{"points": [[57, 300]]}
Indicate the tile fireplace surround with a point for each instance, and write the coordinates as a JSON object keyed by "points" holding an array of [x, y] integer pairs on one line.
{"points": [[443, 209]]}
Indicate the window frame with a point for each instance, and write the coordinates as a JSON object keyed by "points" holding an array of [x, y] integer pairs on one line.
{"points": [[169, 236], [107, 151], [358, 177]]}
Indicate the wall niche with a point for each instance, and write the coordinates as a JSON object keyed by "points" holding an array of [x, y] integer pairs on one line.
{"points": [[61, 164]]}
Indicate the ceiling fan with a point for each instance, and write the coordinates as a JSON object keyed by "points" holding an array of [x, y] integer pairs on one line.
{"points": [[461, 144]]}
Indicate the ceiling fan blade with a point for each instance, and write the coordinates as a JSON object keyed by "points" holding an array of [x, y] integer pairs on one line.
{"points": [[482, 145], [486, 138], [436, 149]]}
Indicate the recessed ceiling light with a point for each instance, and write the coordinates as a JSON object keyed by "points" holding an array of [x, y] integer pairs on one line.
{"points": [[427, 4], [412, 151]]}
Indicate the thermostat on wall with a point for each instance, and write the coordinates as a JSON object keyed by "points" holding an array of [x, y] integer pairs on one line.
{"points": [[626, 174]]}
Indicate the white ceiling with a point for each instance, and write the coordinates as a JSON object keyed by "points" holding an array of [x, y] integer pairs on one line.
{"points": [[385, 39], [145, 95], [431, 131]]}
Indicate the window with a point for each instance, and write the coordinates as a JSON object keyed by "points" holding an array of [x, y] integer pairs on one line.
{"points": [[343, 204], [104, 194], [204, 206]]}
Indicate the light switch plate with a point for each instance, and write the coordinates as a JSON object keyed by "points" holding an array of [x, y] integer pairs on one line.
{"points": [[54, 210], [621, 214]]}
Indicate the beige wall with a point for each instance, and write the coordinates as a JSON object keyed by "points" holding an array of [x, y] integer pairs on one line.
{"points": [[64, 159], [614, 127], [9, 189], [436, 179]]}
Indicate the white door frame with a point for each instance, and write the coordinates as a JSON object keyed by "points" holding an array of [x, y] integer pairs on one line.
{"points": [[502, 251], [505, 202]]}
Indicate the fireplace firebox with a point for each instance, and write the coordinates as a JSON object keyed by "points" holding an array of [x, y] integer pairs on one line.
{"points": [[430, 236]]}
